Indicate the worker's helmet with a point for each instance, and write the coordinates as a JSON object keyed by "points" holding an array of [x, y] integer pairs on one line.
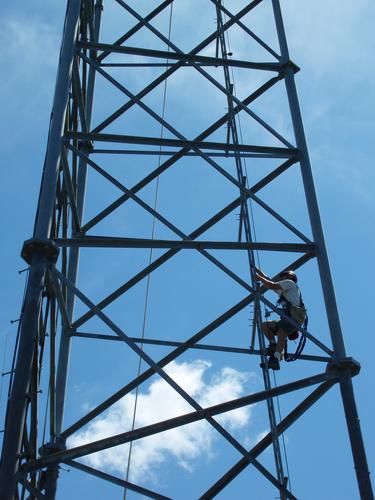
{"points": [[289, 274]]}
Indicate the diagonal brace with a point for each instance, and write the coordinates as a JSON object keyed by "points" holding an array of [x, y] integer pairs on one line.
{"points": [[157, 369]]}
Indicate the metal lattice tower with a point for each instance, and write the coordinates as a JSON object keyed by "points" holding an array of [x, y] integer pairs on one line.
{"points": [[96, 146]]}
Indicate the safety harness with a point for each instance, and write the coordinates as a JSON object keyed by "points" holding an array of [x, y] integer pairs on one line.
{"points": [[295, 313]]}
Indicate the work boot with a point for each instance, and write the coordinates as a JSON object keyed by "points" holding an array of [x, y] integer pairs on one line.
{"points": [[273, 363]]}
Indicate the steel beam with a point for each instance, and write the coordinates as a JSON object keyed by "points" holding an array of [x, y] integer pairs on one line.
{"points": [[64, 352], [117, 242], [155, 367], [17, 403], [206, 347], [176, 156], [115, 480], [339, 352], [162, 362], [243, 190], [248, 8], [267, 440], [136, 28], [246, 29], [153, 152], [195, 234], [328, 379], [214, 81], [192, 58], [275, 152]]}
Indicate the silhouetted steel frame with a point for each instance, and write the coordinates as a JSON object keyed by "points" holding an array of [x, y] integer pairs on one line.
{"points": [[18, 401], [64, 288], [330, 377]]}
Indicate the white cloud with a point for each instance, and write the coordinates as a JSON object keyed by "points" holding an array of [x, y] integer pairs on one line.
{"points": [[334, 36], [251, 441], [30, 57], [185, 445], [30, 47]]}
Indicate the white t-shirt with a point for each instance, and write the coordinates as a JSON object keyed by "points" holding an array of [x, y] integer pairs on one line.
{"points": [[290, 291]]}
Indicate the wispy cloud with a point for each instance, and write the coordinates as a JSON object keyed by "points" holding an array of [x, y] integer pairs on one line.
{"points": [[185, 445], [333, 38], [30, 56], [29, 45]]}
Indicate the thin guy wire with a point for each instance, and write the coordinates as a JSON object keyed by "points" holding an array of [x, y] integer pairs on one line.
{"points": [[282, 437], [16, 347], [3, 367], [48, 396], [150, 260]]}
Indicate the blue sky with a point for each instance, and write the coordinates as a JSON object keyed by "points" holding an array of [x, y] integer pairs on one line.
{"points": [[333, 44]]}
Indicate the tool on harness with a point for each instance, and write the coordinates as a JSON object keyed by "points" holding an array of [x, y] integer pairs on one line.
{"points": [[299, 314]]}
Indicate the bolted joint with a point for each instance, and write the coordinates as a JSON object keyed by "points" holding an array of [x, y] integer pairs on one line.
{"points": [[99, 5], [87, 146], [48, 248], [50, 448], [344, 364], [291, 65]]}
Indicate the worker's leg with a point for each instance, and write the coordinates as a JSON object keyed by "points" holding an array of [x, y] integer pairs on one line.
{"points": [[284, 328], [276, 351], [269, 328], [281, 329], [281, 336]]}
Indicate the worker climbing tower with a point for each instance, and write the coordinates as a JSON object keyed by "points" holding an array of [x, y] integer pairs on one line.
{"points": [[175, 141]]}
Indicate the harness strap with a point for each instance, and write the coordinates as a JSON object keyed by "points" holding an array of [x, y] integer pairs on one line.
{"points": [[302, 341], [282, 298], [301, 345]]}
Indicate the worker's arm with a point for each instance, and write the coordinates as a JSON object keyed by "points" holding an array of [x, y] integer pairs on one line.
{"points": [[258, 272], [271, 285]]}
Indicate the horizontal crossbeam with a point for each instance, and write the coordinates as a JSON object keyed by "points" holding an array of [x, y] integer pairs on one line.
{"points": [[205, 347], [115, 242], [172, 423], [163, 54], [179, 143], [159, 370], [157, 152]]}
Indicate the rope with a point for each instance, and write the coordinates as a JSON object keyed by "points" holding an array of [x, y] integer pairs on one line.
{"points": [[149, 262], [282, 436]]}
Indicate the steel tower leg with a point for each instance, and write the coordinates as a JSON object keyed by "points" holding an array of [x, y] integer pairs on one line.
{"points": [[355, 434], [62, 369], [38, 250]]}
